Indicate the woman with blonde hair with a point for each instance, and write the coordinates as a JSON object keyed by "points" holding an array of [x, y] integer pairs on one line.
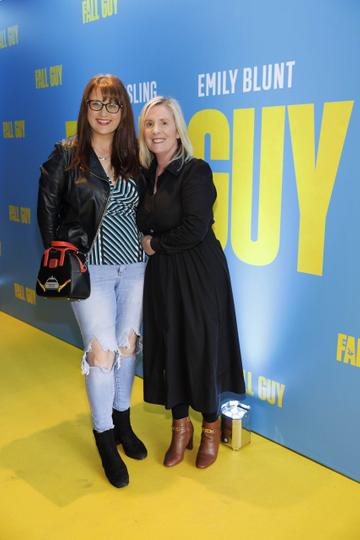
{"points": [[191, 348]]}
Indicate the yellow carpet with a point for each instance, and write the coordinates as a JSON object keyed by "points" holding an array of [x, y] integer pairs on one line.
{"points": [[52, 486]]}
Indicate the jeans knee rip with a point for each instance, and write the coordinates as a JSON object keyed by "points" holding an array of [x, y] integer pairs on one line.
{"points": [[125, 344], [85, 366]]}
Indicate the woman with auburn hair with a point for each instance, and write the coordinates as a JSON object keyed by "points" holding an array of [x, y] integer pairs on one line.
{"points": [[191, 346], [88, 194]]}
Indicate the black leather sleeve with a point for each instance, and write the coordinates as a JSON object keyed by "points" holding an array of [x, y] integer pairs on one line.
{"points": [[52, 184]]}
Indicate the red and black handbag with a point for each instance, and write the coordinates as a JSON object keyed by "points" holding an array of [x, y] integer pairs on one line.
{"points": [[63, 273]]}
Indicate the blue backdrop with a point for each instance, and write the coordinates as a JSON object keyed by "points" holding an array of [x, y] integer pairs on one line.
{"points": [[269, 90]]}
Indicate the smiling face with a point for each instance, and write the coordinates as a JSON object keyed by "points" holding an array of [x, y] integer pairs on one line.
{"points": [[102, 122], [160, 133]]}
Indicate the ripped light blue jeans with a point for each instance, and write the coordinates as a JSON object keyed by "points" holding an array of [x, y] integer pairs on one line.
{"points": [[111, 314]]}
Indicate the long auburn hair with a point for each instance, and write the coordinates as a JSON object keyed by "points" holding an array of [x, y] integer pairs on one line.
{"points": [[125, 151]]}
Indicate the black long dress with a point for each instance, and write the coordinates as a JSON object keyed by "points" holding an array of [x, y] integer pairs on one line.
{"points": [[191, 347]]}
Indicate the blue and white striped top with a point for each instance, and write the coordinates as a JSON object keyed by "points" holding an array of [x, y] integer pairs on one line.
{"points": [[118, 240]]}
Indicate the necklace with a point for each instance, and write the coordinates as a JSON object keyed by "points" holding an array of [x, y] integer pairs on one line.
{"points": [[101, 157]]}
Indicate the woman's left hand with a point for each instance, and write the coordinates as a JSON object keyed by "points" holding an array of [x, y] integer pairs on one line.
{"points": [[147, 246]]}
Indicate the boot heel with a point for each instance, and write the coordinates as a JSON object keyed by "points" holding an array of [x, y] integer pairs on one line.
{"points": [[124, 435], [190, 443]]}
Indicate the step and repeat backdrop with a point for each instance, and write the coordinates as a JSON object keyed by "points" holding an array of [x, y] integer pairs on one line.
{"points": [[269, 91]]}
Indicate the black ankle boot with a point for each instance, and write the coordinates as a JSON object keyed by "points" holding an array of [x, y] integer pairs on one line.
{"points": [[114, 467], [124, 435]]}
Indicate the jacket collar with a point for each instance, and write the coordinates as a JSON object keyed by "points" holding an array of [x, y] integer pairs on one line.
{"points": [[96, 167]]}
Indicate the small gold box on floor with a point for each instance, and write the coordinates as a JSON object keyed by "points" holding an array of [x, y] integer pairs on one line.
{"points": [[235, 424]]}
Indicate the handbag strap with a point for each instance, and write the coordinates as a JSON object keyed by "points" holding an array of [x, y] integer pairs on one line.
{"points": [[62, 244], [62, 247]]}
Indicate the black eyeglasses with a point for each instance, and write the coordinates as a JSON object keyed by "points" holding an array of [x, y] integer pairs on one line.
{"points": [[96, 105]]}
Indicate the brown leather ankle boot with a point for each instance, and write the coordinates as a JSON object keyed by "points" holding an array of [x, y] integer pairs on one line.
{"points": [[182, 437], [209, 445]]}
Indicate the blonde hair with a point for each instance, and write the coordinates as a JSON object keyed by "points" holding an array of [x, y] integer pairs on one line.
{"points": [[185, 151]]}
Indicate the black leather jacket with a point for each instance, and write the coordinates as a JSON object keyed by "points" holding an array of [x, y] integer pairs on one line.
{"points": [[71, 205]]}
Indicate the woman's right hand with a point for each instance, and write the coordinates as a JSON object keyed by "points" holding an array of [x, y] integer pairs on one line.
{"points": [[146, 243]]}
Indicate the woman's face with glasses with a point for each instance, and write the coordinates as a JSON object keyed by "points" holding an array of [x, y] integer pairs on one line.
{"points": [[104, 115]]}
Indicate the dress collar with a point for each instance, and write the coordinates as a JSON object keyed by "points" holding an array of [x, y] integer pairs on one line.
{"points": [[173, 168]]}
